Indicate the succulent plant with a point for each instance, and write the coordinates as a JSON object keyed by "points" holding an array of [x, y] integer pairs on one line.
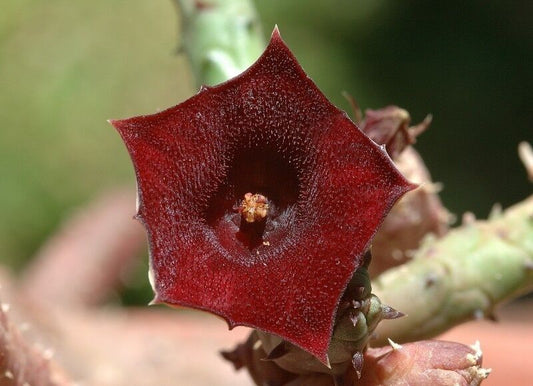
{"points": [[263, 204], [260, 199]]}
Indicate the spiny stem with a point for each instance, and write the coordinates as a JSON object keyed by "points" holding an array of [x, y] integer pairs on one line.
{"points": [[460, 277], [222, 38]]}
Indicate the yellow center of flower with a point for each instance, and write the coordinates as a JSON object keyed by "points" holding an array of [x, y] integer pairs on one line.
{"points": [[254, 207]]}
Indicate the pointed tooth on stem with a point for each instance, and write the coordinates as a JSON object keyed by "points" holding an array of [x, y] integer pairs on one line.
{"points": [[390, 313], [354, 317], [394, 345], [525, 152], [357, 363]]}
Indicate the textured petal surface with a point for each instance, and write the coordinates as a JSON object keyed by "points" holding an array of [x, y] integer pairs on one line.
{"points": [[269, 130]]}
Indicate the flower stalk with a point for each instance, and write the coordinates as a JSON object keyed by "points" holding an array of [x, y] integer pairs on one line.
{"points": [[221, 38]]}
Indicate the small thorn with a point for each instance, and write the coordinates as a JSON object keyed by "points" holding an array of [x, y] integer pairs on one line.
{"points": [[204, 88], [525, 152], [394, 345], [354, 318], [367, 258], [357, 363], [415, 131], [390, 313]]}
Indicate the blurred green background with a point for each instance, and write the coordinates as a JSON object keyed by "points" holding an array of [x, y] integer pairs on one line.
{"points": [[66, 67]]}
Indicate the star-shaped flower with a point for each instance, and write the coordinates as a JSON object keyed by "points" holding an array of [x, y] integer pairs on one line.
{"points": [[259, 198]]}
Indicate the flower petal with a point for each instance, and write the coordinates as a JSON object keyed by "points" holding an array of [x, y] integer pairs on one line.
{"points": [[270, 130]]}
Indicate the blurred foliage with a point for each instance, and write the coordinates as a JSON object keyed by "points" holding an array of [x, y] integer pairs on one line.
{"points": [[66, 67]]}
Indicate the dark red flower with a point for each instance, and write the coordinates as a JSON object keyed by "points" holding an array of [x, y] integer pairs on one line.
{"points": [[322, 185]]}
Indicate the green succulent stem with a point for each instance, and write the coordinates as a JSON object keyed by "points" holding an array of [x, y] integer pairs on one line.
{"points": [[221, 38], [460, 277]]}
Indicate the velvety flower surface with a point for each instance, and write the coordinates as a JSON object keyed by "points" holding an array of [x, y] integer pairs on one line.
{"points": [[268, 137]]}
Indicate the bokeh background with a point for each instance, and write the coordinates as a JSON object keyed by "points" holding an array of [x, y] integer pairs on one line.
{"points": [[66, 67]]}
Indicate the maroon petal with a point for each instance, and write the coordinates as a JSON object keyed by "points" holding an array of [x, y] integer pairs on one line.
{"points": [[269, 131]]}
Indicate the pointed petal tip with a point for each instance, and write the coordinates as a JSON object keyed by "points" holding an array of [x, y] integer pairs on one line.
{"points": [[119, 124], [412, 186], [114, 122], [408, 186], [155, 301], [275, 37], [275, 33], [325, 361]]}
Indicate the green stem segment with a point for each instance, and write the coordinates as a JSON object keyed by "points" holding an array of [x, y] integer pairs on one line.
{"points": [[222, 38], [460, 277]]}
